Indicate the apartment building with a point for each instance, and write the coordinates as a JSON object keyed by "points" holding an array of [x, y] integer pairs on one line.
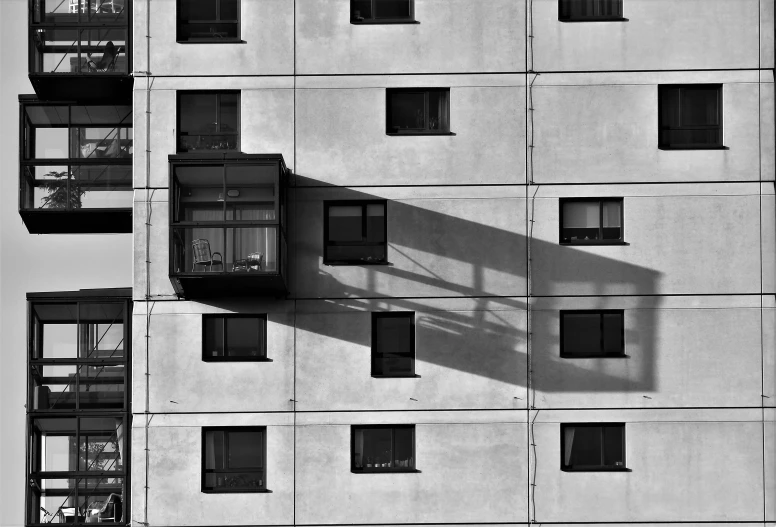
{"points": [[446, 262]]}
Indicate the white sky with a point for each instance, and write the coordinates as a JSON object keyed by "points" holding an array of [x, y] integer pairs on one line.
{"points": [[32, 263]]}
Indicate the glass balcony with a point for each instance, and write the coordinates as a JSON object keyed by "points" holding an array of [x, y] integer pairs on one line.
{"points": [[228, 225], [72, 41], [75, 167]]}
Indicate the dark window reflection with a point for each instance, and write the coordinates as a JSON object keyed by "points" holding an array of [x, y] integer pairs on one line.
{"points": [[234, 460], [593, 447], [690, 116], [234, 337], [591, 221], [355, 233], [418, 111], [383, 449], [381, 10], [208, 20], [592, 333], [208, 121], [393, 351]]}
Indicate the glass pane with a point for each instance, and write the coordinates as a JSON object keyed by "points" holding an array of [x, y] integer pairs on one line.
{"points": [[53, 387], [250, 193], [377, 447], [60, 341], [251, 480], [700, 106], [393, 335], [197, 31], [104, 51], [198, 113], [407, 111], [101, 332], [435, 110], [612, 212], [229, 10], [613, 331], [613, 443], [51, 189], [198, 250], [214, 336], [57, 444], [361, 9], [215, 454], [392, 8], [345, 224], [198, 10], [403, 457], [246, 449], [375, 223], [244, 337], [366, 253], [99, 450], [56, 51], [101, 387], [581, 333], [199, 193], [103, 186], [670, 107], [586, 446], [229, 111], [51, 143], [251, 249], [581, 220]]}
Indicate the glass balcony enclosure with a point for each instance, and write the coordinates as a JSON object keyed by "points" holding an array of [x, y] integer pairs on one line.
{"points": [[78, 407], [72, 41], [75, 167], [227, 233]]}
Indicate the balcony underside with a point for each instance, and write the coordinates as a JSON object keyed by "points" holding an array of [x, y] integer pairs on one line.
{"points": [[207, 285], [99, 221], [92, 88]]}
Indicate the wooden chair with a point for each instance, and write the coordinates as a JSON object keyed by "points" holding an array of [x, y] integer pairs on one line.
{"points": [[202, 255]]}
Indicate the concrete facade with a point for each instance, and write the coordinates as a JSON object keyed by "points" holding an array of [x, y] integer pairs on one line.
{"points": [[540, 110]]}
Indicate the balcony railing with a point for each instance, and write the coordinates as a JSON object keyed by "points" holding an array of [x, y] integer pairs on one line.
{"points": [[75, 167]]}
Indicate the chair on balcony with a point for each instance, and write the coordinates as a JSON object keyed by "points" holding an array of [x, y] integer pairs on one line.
{"points": [[107, 511], [202, 255], [253, 262], [108, 60]]}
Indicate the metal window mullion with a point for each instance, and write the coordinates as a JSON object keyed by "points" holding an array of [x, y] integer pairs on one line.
{"points": [[426, 108], [218, 107], [601, 220], [364, 233], [223, 333], [602, 343]]}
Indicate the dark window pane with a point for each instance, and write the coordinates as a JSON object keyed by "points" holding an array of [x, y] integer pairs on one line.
{"points": [[394, 334], [375, 223], [244, 337], [581, 220], [612, 228], [586, 446], [214, 337], [198, 10], [613, 329], [365, 253], [392, 9], [198, 113], [408, 111], [229, 10], [613, 452], [377, 447], [245, 449], [232, 481], [699, 106], [670, 107], [435, 110], [345, 224], [215, 450], [581, 333], [404, 442], [361, 9], [228, 112]]}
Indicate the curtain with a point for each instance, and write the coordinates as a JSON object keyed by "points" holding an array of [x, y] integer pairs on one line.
{"points": [[568, 442], [210, 450], [359, 449]]}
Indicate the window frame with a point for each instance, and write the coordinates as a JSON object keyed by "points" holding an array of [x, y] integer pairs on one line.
{"points": [[601, 312], [589, 18], [593, 468], [204, 471], [444, 128], [225, 358], [365, 21], [393, 314], [600, 240], [661, 89], [327, 204], [233, 40], [217, 94], [383, 470]]}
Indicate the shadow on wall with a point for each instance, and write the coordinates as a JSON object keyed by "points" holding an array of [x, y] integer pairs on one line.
{"points": [[482, 340]]}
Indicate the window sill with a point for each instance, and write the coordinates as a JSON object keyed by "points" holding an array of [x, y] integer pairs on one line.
{"points": [[596, 469], [602, 19], [562, 356], [242, 491], [403, 376], [594, 242], [698, 147], [212, 41], [385, 471], [399, 134], [210, 359], [355, 262], [381, 22]]}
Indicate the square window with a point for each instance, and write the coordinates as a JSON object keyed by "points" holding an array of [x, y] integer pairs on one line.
{"points": [[383, 448], [354, 232], [393, 344], [690, 116], [599, 333], [208, 21], [592, 446], [417, 111], [233, 459], [382, 11], [208, 120], [236, 338], [591, 221], [589, 10]]}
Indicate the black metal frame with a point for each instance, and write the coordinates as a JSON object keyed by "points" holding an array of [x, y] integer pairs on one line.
{"points": [[565, 15], [354, 203], [661, 90], [372, 20], [600, 240], [262, 318], [444, 125], [219, 40], [217, 94], [393, 314], [205, 471], [592, 468], [118, 296], [601, 313], [382, 470]]}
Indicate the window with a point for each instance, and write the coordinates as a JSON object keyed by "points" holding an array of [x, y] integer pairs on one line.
{"points": [[690, 116], [591, 221], [383, 448], [592, 333], [382, 11], [592, 446], [233, 459], [234, 338], [589, 10], [208, 120], [417, 111], [208, 20], [354, 232], [393, 344]]}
